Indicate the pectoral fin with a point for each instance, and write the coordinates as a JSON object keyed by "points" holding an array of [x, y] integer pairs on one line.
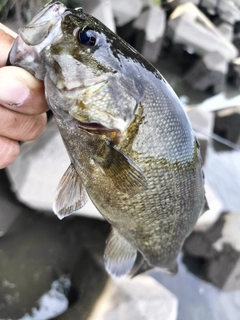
{"points": [[119, 255], [125, 174], [71, 194]]}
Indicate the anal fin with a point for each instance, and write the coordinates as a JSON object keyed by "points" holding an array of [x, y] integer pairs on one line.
{"points": [[70, 195], [119, 255]]}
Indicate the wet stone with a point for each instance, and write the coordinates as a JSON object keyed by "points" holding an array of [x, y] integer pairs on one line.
{"points": [[102, 10], [37, 171], [227, 126], [218, 249], [201, 78], [202, 123], [151, 25]]}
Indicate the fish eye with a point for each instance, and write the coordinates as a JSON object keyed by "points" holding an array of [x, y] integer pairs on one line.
{"points": [[87, 37]]}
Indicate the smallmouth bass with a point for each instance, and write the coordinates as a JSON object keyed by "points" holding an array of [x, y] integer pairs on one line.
{"points": [[132, 149]]}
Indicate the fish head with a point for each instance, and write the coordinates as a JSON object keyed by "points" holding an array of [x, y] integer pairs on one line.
{"points": [[39, 33], [86, 73]]}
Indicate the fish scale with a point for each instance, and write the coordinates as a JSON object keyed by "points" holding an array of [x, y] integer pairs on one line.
{"points": [[132, 149]]}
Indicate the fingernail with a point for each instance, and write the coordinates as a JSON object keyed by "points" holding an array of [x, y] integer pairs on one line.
{"points": [[14, 93]]}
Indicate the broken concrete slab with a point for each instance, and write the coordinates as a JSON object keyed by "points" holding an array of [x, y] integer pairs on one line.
{"points": [[227, 30], [227, 125], [152, 22], [202, 123], [220, 101], [38, 169], [200, 77], [102, 10], [189, 26], [227, 10], [219, 248], [125, 11], [139, 298], [222, 173]]}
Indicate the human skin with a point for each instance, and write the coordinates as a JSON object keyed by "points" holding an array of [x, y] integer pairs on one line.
{"points": [[22, 103]]}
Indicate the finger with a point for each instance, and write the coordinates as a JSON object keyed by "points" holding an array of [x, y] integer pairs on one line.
{"points": [[8, 31], [9, 150], [19, 126], [22, 92], [7, 38]]}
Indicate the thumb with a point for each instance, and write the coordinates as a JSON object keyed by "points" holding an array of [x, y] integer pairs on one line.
{"points": [[21, 92]]}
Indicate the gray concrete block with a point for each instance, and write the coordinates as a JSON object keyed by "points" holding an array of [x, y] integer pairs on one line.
{"points": [[125, 11], [153, 23], [139, 298], [202, 123], [200, 77], [192, 28], [38, 169], [227, 125], [219, 248], [102, 10]]}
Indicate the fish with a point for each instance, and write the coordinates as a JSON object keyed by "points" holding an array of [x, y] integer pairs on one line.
{"points": [[132, 149]]}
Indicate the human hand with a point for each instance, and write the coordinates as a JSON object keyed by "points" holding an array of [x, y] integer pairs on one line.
{"points": [[22, 103]]}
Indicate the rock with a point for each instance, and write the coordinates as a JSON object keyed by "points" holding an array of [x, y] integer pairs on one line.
{"points": [[227, 10], [202, 123], [220, 101], [202, 76], [222, 173], [234, 73], [38, 169], [139, 298], [227, 30], [219, 248], [180, 2], [189, 26], [125, 299], [102, 10], [152, 22], [89, 281], [227, 125], [216, 206], [124, 11]]}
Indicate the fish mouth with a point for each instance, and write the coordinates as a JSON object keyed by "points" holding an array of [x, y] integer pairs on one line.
{"points": [[94, 127], [111, 135]]}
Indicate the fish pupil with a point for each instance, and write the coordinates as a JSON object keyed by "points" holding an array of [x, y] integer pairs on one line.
{"points": [[87, 38]]}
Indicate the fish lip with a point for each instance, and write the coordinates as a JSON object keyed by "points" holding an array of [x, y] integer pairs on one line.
{"points": [[94, 127]]}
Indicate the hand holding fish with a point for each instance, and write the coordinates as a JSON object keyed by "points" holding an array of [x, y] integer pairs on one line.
{"points": [[22, 104]]}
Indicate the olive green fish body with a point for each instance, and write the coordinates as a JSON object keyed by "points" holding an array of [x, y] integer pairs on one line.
{"points": [[132, 149]]}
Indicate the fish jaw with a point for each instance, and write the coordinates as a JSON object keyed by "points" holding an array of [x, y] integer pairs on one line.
{"points": [[41, 31]]}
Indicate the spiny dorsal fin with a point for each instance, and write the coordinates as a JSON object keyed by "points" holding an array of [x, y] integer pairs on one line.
{"points": [[120, 168], [70, 195], [119, 255]]}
